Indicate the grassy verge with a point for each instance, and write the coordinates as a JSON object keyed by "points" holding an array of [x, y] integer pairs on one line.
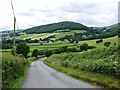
{"points": [[93, 78]]}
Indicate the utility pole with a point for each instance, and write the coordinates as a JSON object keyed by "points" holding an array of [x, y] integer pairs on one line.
{"points": [[14, 46]]}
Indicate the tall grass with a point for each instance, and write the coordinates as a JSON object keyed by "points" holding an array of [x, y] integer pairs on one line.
{"points": [[103, 62]]}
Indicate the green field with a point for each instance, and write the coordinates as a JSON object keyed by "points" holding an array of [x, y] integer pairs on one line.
{"points": [[58, 35], [62, 34], [45, 46], [49, 46], [101, 45], [54, 45], [32, 36]]}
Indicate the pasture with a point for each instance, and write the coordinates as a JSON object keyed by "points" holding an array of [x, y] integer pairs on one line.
{"points": [[58, 35], [101, 45], [49, 46]]}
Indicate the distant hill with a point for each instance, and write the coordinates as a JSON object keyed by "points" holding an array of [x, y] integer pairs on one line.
{"points": [[112, 29], [10, 32], [66, 25]]}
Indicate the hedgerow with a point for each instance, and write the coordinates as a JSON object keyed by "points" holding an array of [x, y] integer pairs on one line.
{"points": [[12, 68], [103, 61]]}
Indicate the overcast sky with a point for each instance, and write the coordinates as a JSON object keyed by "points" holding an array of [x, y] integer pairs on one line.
{"points": [[31, 13]]}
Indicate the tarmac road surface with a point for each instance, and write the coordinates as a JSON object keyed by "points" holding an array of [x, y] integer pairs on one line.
{"points": [[42, 76]]}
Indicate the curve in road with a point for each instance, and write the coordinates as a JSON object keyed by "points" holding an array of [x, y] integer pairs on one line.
{"points": [[42, 76]]}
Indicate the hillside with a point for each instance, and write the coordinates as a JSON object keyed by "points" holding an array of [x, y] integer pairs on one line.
{"points": [[99, 67], [112, 29], [66, 25]]}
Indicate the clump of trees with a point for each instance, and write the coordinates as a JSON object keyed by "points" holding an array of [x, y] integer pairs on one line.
{"points": [[99, 41], [60, 50], [84, 46], [48, 53], [23, 49]]}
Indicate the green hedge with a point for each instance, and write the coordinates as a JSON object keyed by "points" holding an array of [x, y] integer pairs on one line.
{"points": [[12, 69]]}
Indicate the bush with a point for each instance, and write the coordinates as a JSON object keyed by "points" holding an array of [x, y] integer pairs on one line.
{"points": [[107, 44], [12, 68], [23, 49], [35, 53], [65, 63], [84, 46], [57, 51], [48, 53], [73, 50], [99, 41]]}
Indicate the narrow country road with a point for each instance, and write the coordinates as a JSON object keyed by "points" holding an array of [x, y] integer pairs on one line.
{"points": [[42, 76]]}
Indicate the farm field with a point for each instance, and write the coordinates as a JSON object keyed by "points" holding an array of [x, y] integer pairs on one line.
{"points": [[45, 46], [101, 45], [62, 34], [54, 45], [49, 46], [58, 35]]}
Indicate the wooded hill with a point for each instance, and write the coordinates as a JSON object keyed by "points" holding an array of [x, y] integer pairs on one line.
{"points": [[66, 25]]}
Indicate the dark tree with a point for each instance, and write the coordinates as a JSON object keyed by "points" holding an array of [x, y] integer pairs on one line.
{"points": [[84, 46], [107, 44], [48, 53], [35, 53], [115, 44], [23, 49], [99, 41]]}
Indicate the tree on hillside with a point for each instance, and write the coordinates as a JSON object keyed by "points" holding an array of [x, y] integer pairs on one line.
{"points": [[23, 49], [84, 46], [35, 53], [99, 41], [107, 44]]}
